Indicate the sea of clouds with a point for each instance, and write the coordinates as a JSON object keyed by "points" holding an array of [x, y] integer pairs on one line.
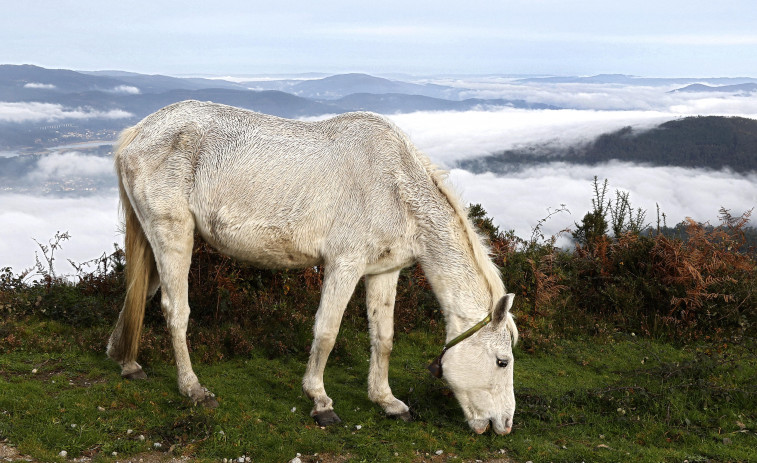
{"points": [[37, 112], [516, 201]]}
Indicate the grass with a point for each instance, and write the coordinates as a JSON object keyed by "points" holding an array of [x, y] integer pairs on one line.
{"points": [[620, 398]]}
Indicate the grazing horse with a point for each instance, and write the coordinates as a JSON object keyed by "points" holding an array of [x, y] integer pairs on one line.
{"points": [[350, 193]]}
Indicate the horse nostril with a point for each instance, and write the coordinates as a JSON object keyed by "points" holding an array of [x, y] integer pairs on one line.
{"points": [[505, 432]]}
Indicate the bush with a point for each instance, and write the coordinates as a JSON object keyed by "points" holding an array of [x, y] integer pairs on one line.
{"points": [[694, 281]]}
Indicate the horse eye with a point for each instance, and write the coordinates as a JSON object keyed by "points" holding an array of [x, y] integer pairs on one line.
{"points": [[501, 363]]}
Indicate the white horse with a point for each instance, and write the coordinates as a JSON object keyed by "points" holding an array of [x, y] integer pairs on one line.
{"points": [[350, 193]]}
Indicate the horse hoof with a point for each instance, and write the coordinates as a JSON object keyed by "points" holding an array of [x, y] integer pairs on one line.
{"points": [[137, 374], [326, 418], [402, 416], [208, 402]]}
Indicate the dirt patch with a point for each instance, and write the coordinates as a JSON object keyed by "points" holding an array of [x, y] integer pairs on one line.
{"points": [[154, 457], [8, 453], [325, 458]]}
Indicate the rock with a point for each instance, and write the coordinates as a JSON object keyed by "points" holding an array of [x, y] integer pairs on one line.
{"points": [[439, 452], [157, 445], [141, 437], [358, 427], [34, 371], [63, 454], [100, 409], [295, 460]]}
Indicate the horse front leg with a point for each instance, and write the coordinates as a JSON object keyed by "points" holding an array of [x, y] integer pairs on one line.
{"points": [[380, 293], [339, 283]]}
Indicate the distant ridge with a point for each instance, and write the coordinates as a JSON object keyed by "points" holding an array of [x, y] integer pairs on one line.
{"points": [[706, 142], [737, 88], [341, 85], [105, 102]]}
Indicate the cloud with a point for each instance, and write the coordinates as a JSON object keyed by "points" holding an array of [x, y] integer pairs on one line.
{"points": [[49, 112], [611, 97], [91, 221], [125, 89], [450, 136], [72, 164], [520, 200], [8, 154], [40, 86]]}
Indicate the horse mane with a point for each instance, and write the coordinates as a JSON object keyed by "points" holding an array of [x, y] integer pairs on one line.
{"points": [[475, 241], [481, 251]]}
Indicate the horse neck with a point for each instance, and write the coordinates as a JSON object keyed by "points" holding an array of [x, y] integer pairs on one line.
{"points": [[457, 279]]}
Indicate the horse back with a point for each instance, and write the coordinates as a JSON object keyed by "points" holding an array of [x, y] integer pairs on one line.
{"points": [[277, 192]]}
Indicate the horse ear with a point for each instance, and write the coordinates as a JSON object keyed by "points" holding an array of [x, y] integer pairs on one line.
{"points": [[502, 308]]}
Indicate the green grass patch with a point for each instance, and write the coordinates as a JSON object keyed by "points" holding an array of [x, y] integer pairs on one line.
{"points": [[617, 399]]}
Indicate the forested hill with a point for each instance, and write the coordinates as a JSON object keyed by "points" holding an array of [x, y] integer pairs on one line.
{"points": [[710, 142]]}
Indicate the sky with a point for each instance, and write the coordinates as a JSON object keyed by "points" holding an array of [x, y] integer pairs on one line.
{"points": [[670, 38]]}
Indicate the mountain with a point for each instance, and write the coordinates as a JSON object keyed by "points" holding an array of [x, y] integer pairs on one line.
{"points": [[706, 142], [746, 88], [341, 85], [158, 83], [29, 80], [52, 107]]}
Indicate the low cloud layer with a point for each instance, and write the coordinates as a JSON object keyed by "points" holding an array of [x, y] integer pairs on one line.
{"points": [[447, 137], [91, 221], [517, 201], [520, 200], [72, 164], [125, 89], [40, 86], [49, 112], [609, 97]]}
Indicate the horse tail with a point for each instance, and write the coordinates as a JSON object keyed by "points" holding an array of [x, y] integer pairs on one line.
{"points": [[140, 271]]}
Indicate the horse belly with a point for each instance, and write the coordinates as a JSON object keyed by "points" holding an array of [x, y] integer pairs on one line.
{"points": [[260, 242]]}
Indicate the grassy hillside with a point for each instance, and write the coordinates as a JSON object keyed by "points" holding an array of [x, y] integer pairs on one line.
{"points": [[635, 346], [623, 398]]}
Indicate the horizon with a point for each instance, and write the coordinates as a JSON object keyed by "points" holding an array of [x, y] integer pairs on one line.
{"points": [[388, 74]]}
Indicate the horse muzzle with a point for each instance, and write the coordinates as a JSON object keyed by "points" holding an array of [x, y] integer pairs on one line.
{"points": [[501, 426]]}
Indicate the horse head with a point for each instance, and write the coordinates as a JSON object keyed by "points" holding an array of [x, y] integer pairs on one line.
{"points": [[479, 369]]}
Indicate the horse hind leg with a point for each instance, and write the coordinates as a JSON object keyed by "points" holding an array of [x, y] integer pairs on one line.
{"points": [[381, 291], [172, 246]]}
